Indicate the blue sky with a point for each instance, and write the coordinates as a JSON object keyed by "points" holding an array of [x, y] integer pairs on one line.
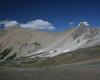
{"points": [[58, 12]]}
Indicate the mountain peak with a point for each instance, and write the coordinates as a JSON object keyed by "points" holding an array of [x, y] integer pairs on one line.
{"points": [[83, 27], [84, 23]]}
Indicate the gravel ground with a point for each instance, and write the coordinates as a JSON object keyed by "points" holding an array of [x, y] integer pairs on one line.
{"points": [[64, 72]]}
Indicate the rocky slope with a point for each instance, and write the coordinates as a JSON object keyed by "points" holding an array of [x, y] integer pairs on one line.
{"points": [[29, 43]]}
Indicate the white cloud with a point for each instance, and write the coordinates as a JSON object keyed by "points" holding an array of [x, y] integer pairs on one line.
{"points": [[71, 23], [11, 23], [38, 24]]}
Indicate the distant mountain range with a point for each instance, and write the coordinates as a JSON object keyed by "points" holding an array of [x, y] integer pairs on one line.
{"points": [[18, 43]]}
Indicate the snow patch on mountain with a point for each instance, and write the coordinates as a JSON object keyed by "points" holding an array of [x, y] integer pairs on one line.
{"points": [[85, 23]]}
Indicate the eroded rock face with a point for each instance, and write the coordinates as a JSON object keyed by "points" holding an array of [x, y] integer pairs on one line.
{"points": [[26, 42], [86, 30], [80, 31]]}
